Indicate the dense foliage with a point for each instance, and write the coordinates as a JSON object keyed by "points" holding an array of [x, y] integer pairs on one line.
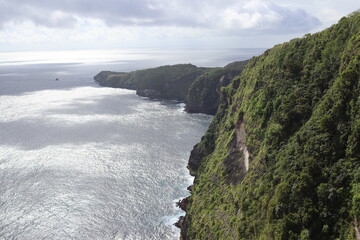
{"points": [[198, 87], [165, 82], [204, 93], [300, 103]]}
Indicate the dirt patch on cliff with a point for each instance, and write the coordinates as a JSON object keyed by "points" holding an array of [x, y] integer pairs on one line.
{"points": [[237, 162]]}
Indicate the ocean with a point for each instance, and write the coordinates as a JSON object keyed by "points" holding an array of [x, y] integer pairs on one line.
{"points": [[79, 161]]}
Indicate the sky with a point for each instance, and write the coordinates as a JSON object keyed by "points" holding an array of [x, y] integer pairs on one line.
{"points": [[117, 24]]}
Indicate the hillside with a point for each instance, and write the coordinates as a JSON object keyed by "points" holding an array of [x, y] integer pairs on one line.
{"points": [[204, 93], [165, 82], [198, 87], [281, 159]]}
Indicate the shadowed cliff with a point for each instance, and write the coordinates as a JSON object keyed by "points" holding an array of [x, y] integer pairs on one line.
{"points": [[204, 93]]}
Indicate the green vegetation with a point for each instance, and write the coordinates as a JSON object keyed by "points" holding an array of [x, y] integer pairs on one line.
{"points": [[165, 82], [198, 87], [204, 93], [300, 103]]}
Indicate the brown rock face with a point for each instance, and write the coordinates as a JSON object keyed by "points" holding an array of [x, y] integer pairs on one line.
{"points": [[182, 225]]}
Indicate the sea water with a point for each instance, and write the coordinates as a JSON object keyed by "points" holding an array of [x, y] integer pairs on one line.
{"points": [[79, 161]]}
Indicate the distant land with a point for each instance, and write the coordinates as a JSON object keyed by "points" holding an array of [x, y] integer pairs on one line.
{"points": [[281, 158], [197, 86]]}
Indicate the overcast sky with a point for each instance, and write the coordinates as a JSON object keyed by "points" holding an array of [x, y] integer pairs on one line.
{"points": [[99, 24]]}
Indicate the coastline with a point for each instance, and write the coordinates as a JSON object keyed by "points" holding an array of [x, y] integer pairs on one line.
{"points": [[179, 219]]}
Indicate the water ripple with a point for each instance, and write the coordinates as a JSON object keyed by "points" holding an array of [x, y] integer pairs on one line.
{"points": [[93, 163]]}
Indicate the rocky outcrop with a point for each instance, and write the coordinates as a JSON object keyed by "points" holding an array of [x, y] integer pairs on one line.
{"points": [[183, 203], [181, 223], [196, 155]]}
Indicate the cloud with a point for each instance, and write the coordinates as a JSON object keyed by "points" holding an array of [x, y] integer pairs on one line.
{"points": [[46, 13], [235, 16], [265, 17]]}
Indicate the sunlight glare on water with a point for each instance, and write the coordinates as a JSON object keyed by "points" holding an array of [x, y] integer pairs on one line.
{"points": [[93, 163]]}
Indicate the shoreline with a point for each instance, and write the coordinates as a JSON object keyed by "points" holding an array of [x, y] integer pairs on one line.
{"points": [[178, 220]]}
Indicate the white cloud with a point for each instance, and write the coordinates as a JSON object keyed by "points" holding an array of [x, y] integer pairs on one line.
{"points": [[231, 14], [157, 21], [252, 15]]}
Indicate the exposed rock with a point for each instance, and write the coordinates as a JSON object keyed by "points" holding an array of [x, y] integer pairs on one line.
{"points": [[182, 225], [240, 143], [196, 155], [183, 203], [237, 162]]}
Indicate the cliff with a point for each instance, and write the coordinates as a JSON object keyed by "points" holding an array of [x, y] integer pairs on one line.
{"points": [[281, 159], [165, 82], [198, 87], [204, 93], [116, 79]]}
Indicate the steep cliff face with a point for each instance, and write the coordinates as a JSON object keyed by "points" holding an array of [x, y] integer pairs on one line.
{"points": [[165, 82], [198, 87], [281, 159], [204, 93]]}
